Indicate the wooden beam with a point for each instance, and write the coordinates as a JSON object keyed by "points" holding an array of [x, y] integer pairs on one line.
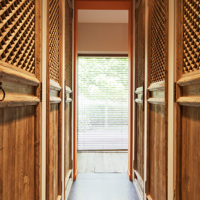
{"points": [[54, 100], [189, 101], [19, 100], [157, 86], [10, 73], [54, 85], [160, 101], [189, 79]]}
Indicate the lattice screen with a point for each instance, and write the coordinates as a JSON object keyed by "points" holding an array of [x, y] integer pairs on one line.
{"points": [[17, 33], [158, 41], [140, 43], [191, 38], [68, 44], [54, 39]]}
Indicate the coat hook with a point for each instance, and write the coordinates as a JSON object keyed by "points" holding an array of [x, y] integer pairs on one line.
{"points": [[4, 94]]}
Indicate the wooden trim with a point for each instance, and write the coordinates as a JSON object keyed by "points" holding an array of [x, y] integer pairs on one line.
{"points": [[179, 71], [54, 85], [138, 189], [104, 5], [55, 100], [10, 73], [68, 90], [139, 90], [68, 176], [19, 100], [189, 101], [160, 101], [68, 100], [47, 102], [149, 197], [138, 101], [38, 110], [157, 86], [69, 185], [189, 79], [139, 178], [59, 197]]}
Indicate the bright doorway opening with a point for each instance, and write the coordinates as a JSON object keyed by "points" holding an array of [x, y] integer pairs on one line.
{"points": [[102, 103]]}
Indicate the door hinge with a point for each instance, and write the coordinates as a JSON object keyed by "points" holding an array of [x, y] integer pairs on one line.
{"points": [[145, 187], [174, 91], [133, 163]]}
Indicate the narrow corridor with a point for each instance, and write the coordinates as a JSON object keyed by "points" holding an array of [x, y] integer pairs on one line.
{"points": [[103, 186]]}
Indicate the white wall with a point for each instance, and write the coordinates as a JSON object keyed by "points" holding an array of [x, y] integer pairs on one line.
{"points": [[103, 38]]}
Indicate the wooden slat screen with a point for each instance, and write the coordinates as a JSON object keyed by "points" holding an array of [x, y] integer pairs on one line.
{"points": [[68, 44], [17, 33], [158, 41], [54, 39], [140, 43], [191, 36]]}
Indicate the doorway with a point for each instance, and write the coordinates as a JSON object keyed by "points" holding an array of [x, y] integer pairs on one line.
{"points": [[84, 122]]}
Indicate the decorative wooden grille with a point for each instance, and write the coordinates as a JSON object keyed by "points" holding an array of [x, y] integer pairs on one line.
{"points": [[54, 40], [17, 33], [68, 44], [140, 43], [158, 41], [191, 36]]}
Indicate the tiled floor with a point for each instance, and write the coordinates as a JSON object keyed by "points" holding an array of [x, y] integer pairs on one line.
{"points": [[103, 186], [102, 162]]}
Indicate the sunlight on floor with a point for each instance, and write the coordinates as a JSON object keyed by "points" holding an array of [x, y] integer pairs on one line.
{"points": [[102, 162]]}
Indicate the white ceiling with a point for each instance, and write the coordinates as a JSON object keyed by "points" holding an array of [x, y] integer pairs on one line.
{"points": [[103, 16]]}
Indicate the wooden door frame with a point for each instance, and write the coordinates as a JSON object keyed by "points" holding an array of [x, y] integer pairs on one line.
{"points": [[104, 5]]}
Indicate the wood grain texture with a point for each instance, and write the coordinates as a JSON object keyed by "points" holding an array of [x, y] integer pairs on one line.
{"points": [[139, 141], [158, 152], [10, 73], [186, 155], [52, 140], [17, 127], [190, 157], [67, 140]]}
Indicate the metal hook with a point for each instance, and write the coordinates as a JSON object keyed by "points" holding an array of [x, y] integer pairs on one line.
{"points": [[4, 94]]}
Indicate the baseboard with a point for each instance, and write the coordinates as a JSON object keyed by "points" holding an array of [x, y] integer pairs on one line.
{"points": [[129, 175], [75, 175]]}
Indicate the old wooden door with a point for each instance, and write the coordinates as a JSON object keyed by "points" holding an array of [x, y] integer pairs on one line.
{"points": [[54, 99], [139, 94], [20, 76], [157, 100], [187, 155], [68, 179]]}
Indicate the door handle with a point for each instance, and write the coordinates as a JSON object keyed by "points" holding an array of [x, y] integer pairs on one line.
{"points": [[4, 94]]}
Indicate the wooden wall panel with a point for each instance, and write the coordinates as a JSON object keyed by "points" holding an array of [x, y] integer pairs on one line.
{"points": [[140, 141], [187, 138], [17, 180], [53, 153], [190, 158], [139, 93], [158, 151], [68, 135]]}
